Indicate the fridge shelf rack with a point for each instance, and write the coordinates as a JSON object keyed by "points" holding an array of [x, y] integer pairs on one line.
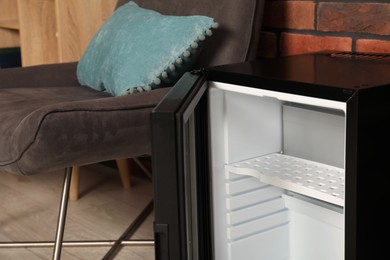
{"points": [[309, 178]]}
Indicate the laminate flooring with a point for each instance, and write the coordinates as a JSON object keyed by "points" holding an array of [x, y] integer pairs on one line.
{"points": [[29, 211]]}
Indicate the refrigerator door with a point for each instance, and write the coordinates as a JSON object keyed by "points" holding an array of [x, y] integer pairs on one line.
{"points": [[180, 172]]}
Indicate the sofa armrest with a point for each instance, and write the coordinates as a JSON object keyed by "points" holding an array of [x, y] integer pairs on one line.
{"points": [[59, 74]]}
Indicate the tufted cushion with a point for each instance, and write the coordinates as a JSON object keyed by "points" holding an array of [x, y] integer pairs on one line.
{"points": [[139, 49]]}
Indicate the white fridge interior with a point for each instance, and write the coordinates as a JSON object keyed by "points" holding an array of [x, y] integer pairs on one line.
{"points": [[278, 179]]}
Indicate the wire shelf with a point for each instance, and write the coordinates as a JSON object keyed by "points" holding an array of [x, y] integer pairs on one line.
{"points": [[316, 180]]}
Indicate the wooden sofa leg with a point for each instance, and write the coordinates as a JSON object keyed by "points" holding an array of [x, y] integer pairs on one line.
{"points": [[124, 172], [74, 183]]}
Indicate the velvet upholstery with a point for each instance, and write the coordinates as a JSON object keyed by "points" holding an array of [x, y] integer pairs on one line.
{"points": [[49, 122], [50, 75], [237, 37], [54, 128]]}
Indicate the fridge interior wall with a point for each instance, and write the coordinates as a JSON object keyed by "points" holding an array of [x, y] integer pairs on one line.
{"points": [[256, 219]]}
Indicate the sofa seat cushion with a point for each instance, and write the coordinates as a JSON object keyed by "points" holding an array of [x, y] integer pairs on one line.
{"points": [[46, 128]]}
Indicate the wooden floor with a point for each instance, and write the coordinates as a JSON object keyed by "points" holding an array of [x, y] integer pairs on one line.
{"points": [[29, 208]]}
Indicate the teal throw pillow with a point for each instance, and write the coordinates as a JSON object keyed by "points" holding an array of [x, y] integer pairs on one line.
{"points": [[138, 49]]}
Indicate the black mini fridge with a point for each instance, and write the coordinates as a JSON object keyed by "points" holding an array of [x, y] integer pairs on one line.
{"points": [[282, 158]]}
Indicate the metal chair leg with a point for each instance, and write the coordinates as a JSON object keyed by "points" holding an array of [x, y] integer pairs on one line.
{"points": [[129, 232], [143, 168], [62, 214], [115, 245]]}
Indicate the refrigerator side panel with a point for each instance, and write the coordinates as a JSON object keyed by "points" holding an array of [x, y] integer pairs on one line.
{"points": [[218, 158], [238, 126]]}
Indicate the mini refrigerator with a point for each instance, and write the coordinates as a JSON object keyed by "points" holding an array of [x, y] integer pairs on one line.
{"points": [[282, 158]]}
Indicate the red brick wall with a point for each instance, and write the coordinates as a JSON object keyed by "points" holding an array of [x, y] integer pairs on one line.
{"points": [[293, 27]]}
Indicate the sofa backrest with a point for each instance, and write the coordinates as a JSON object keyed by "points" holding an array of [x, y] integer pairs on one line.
{"points": [[236, 39]]}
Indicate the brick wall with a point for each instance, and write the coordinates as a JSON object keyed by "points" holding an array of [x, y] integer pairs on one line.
{"points": [[293, 27]]}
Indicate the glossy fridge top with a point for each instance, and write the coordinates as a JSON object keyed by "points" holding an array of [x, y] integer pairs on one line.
{"points": [[337, 76]]}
